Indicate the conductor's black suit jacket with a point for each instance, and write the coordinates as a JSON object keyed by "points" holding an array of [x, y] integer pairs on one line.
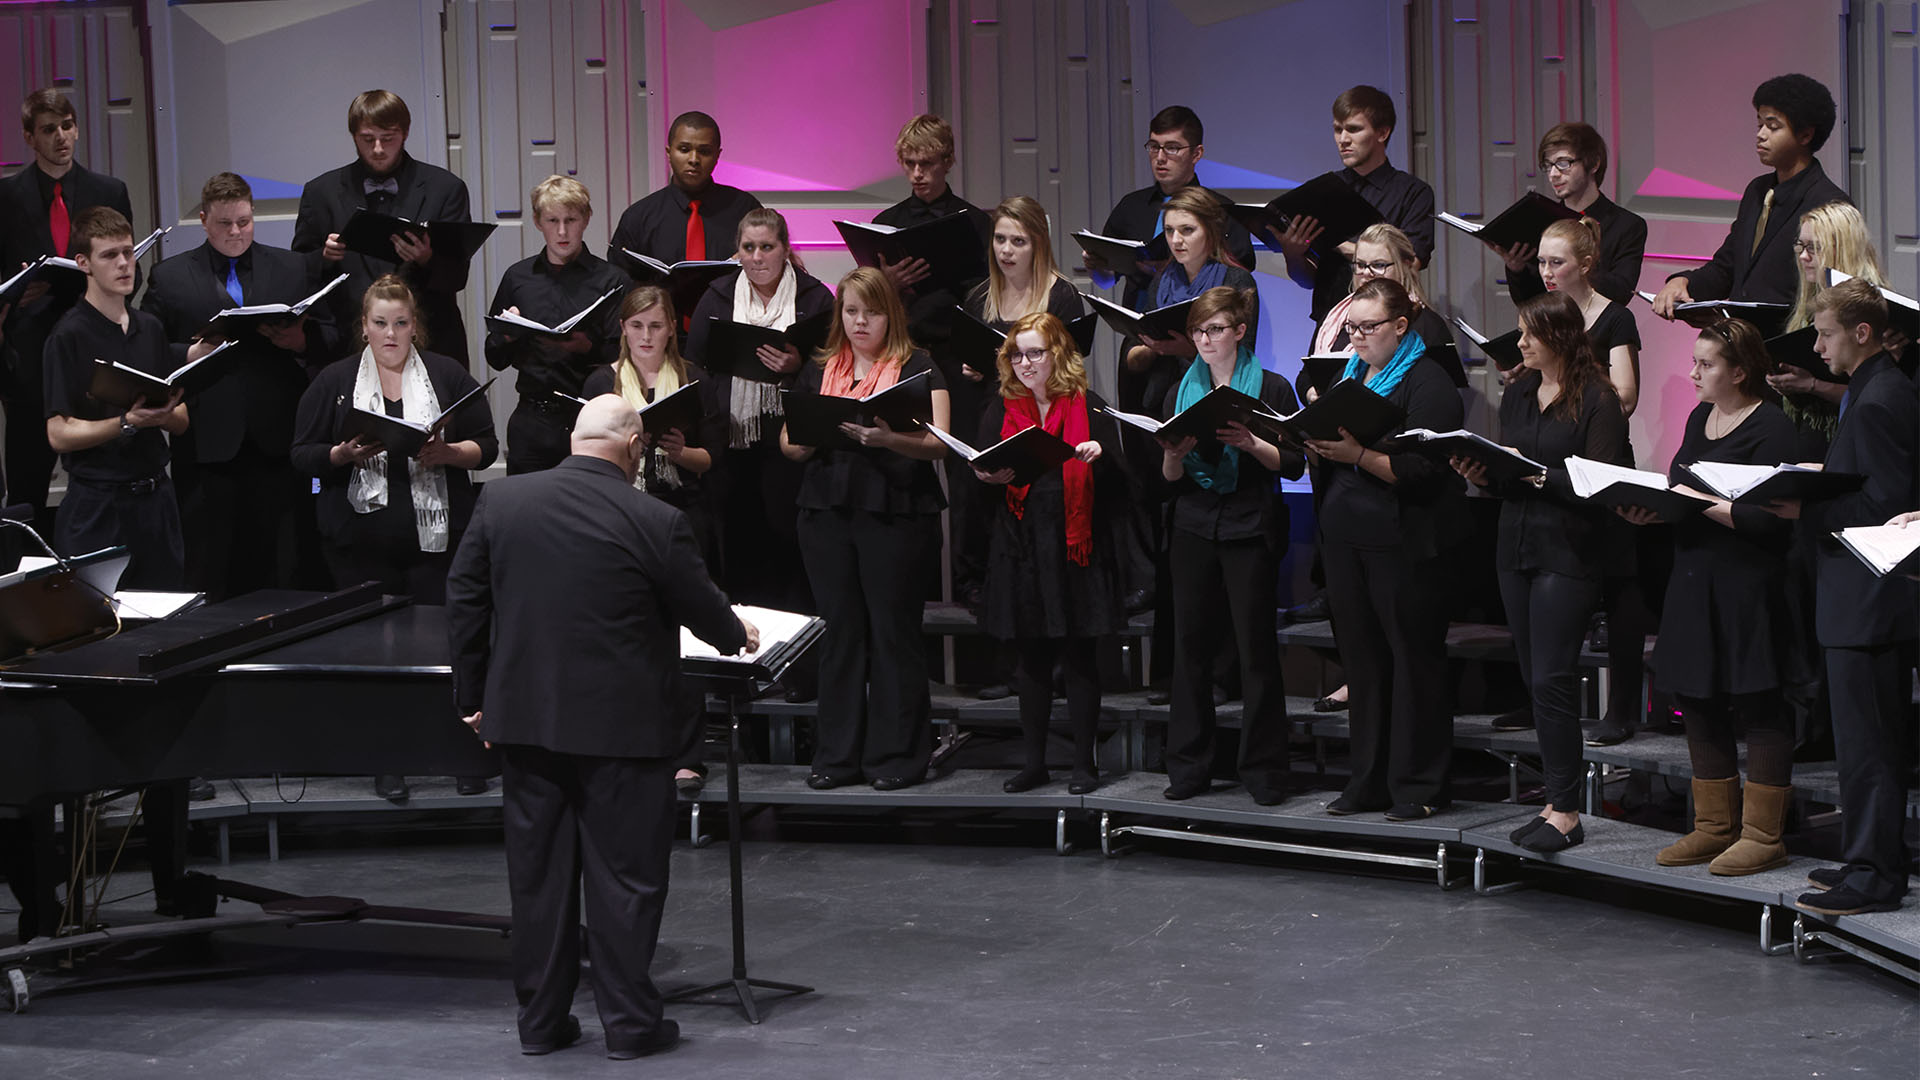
{"points": [[565, 604]]}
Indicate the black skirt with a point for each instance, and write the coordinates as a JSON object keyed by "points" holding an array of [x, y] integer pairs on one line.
{"points": [[1033, 589]]}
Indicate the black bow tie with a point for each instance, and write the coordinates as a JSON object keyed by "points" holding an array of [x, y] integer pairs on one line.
{"points": [[389, 185]]}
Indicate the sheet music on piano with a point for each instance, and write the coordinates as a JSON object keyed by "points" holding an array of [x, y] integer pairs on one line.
{"points": [[784, 635]]}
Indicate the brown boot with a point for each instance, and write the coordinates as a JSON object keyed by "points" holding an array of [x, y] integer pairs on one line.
{"points": [[1759, 847], [1716, 814]]}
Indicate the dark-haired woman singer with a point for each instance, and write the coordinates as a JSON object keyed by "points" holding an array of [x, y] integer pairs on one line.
{"points": [[1053, 577], [1550, 554], [1384, 520]]}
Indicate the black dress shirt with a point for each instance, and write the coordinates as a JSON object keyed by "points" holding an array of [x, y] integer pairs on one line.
{"points": [[656, 227], [1616, 273], [550, 294], [930, 306], [1771, 275], [1425, 508], [1549, 528], [1253, 509], [1136, 214], [869, 478], [82, 335], [1404, 200]]}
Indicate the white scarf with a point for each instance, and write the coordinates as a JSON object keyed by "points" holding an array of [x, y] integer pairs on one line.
{"points": [[750, 400], [632, 386], [367, 490]]}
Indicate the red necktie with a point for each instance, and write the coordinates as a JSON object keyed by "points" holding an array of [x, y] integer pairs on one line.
{"points": [[58, 224], [696, 232]]}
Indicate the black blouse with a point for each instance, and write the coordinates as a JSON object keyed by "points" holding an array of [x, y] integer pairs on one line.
{"points": [[1615, 327], [868, 478], [1425, 508], [710, 434], [1549, 528], [1253, 509]]}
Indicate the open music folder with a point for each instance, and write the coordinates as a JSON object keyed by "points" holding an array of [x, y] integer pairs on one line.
{"points": [[120, 386], [815, 419], [1522, 223], [1029, 452], [1616, 486], [506, 322], [784, 637], [402, 436]]}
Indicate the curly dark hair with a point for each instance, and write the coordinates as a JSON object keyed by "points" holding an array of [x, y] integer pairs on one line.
{"points": [[1554, 320], [1804, 101]]}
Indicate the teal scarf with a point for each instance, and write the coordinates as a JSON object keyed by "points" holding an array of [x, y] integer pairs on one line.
{"points": [[1221, 477], [1410, 351]]}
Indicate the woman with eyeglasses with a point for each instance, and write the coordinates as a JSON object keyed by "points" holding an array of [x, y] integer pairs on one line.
{"points": [[1228, 531], [1383, 251], [1053, 577], [1550, 556], [1194, 224], [1726, 638], [1385, 520]]}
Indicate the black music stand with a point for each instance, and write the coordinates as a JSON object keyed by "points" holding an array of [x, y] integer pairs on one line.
{"points": [[738, 682]]}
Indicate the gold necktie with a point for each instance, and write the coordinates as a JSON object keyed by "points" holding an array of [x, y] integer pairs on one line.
{"points": [[1760, 227]]}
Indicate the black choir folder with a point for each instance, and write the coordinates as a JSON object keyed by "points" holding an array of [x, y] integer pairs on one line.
{"points": [[1886, 549], [1502, 463], [1221, 406], [685, 281], [1346, 404], [815, 419], [1757, 485], [734, 347], [1700, 314], [976, 343], [1616, 486], [1121, 255], [1522, 223], [1903, 312], [506, 322], [371, 233], [1325, 369], [1504, 350], [679, 411], [406, 437], [120, 386], [1795, 349], [1330, 200], [233, 322], [1029, 452], [950, 245], [1161, 322], [784, 636], [70, 284]]}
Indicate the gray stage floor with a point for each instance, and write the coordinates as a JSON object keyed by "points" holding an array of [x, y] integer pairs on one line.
{"points": [[950, 960]]}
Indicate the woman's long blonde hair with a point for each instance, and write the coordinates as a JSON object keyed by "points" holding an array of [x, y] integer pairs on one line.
{"points": [[1031, 217], [1845, 246], [872, 288], [626, 373]]}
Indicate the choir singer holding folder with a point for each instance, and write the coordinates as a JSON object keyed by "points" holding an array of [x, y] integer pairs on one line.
{"points": [[564, 609]]}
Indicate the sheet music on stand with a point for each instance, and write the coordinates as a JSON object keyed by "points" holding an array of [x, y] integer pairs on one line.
{"points": [[784, 636]]}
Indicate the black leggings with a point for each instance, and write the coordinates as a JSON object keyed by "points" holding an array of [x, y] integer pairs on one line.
{"points": [[1034, 678], [1548, 614], [1711, 728]]}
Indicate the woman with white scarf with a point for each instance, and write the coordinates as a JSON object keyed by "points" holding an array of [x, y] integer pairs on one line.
{"points": [[760, 561], [384, 518]]}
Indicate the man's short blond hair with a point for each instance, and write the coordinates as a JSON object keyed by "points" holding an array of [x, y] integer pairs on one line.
{"points": [[925, 135], [561, 193]]}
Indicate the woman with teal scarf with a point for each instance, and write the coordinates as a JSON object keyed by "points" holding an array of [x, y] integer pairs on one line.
{"points": [[1227, 532], [1385, 519]]}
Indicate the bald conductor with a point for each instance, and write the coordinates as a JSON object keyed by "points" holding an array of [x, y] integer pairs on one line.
{"points": [[564, 605]]}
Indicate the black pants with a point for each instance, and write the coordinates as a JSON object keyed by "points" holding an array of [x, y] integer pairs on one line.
{"points": [[868, 572], [1629, 620], [244, 513], [1392, 619], [1871, 713], [602, 827], [419, 574], [1712, 728], [1548, 615], [94, 516], [29, 460], [759, 530], [1033, 675], [538, 437], [1231, 582]]}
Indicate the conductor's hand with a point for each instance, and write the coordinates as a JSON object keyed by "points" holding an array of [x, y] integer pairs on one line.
{"points": [[779, 361], [753, 635], [1474, 471], [1301, 232], [1088, 451], [672, 444], [1637, 515], [291, 336], [355, 451], [1517, 258], [333, 250], [906, 273], [1672, 293], [416, 248], [1004, 476]]}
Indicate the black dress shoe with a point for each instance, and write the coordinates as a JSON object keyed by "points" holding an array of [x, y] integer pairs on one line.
{"points": [[1268, 797], [1344, 807], [391, 788], [1329, 704], [200, 789], [470, 785], [1413, 811], [1598, 637], [1827, 877], [1313, 609], [689, 786], [1183, 792], [569, 1034], [664, 1037], [1608, 734], [1159, 697], [1548, 840], [823, 782], [1221, 696], [996, 692], [1083, 785], [1024, 780], [1138, 601], [1532, 823], [1843, 900], [1520, 719], [894, 783]]}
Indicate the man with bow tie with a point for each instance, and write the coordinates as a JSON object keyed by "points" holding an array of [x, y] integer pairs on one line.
{"points": [[384, 177]]}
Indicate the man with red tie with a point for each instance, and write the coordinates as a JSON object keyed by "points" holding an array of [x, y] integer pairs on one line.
{"points": [[692, 217], [38, 206]]}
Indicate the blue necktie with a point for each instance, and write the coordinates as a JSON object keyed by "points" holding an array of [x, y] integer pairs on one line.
{"points": [[1845, 400], [233, 282]]}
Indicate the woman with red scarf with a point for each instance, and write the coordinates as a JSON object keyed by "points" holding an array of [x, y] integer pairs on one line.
{"points": [[869, 534], [1053, 583]]}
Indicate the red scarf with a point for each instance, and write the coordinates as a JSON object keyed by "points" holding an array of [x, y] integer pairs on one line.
{"points": [[838, 381], [1067, 419]]}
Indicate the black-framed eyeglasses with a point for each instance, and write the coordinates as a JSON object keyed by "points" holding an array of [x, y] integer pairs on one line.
{"points": [[1028, 356], [1211, 331], [1360, 330], [1155, 149], [1561, 165], [1377, 269], [1807, 247]]}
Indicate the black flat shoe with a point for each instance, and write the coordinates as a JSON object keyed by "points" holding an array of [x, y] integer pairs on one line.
{"points": [[1159, 697], [391, 788], [996, 692], [470, 785], [1827, 877], [664, 1037], [1183, 792], [1843, 900], [1024, 780], [1221, 696], [1315, 609], [894, 783], [1520, 719], [569, 1034], [200, 789], [1268, 798], [823, 782], [1550, 839], [1329, 704], [1609, 735], [1083, 785], [1344, 807], [1598, 638], [1413, 811], [1138, 601], [689, 786], [1532, 824]]}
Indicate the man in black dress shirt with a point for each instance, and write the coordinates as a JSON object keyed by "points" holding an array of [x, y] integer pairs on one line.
{"points": [[1865, 623], [37, 202], [692, 217], [242, 505], [384, 177], [549, 288], [1574, 157], [1794, 114], [564, 607], [1174, 145], [1363, 121]]}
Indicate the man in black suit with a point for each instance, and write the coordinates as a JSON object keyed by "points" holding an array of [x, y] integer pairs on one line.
{"points": [[1866, 623], [569, 663], [241, 503], [1794, 114], [384, 177], [38, 206]]}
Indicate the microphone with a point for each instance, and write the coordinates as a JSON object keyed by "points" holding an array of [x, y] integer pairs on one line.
{"points": [[58, 558]]}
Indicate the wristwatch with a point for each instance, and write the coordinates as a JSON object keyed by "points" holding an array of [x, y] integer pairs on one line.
{"points": [[127, 429]]}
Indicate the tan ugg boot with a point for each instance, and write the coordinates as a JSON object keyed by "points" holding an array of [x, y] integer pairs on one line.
{"points": [[1716, 816], [1759, 847]]}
